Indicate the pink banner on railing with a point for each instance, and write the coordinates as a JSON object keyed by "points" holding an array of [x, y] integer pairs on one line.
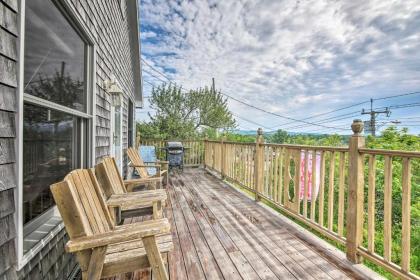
{"points": [[302, 176]]}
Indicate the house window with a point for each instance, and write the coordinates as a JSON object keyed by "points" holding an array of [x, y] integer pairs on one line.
{"points": [[50, 150], [54, 57], [56, 113]]}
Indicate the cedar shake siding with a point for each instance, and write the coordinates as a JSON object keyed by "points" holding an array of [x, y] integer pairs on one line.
{"points": [[8, 105]]}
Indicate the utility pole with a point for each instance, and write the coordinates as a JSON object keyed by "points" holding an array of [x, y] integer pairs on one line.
{"points": [[212, 85], [373, 115]]}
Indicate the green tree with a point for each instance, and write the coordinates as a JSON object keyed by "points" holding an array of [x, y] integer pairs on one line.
{"points": [[180, 114], [280, 137]]}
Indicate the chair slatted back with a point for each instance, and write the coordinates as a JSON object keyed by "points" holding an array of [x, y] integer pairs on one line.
{"points": [[136, 159], [83, 211], [109, 177]]}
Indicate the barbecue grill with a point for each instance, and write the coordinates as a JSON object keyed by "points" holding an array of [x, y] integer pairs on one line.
{"points": [[175, 154]]}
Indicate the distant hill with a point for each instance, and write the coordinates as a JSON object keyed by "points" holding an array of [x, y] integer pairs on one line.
{"points": [[254, 132]]}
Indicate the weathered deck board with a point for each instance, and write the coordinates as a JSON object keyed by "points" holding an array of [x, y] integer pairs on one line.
{"points": [[219, 233]]}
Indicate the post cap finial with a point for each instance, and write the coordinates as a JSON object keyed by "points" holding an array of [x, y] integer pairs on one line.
{"points": [[259, 131], [357, 126]]}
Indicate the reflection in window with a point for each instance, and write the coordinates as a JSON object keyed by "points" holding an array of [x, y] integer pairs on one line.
{"points": [[54, 56], [48, 155]]}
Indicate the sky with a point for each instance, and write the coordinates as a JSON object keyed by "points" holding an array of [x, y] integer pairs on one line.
{"points": [[292, 58]]}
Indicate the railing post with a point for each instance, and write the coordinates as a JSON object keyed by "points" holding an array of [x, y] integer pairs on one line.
{"points": [[259, 164], [223, 158], [355, 199]]}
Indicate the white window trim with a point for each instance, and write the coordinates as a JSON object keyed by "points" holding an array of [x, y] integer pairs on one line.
{"points": [[23, 259]]}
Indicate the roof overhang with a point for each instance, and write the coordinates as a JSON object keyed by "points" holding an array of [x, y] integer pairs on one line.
{"points": [[133, 25]]}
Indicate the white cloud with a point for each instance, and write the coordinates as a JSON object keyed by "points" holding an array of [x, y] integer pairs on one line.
{"points": [[292, 57]]}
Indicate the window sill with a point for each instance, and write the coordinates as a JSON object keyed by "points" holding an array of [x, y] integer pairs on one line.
{"points": [[36, 240]]}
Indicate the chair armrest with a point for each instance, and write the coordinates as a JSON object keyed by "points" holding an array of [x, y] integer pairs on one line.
{"points": [[158, 161], [133, 199], [143, 180], [119, 234], [147, 165]]}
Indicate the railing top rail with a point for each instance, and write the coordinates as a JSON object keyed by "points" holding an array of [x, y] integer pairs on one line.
{"points": [[239, 143], [411, 154], [162, 140], [231, 142], [308, 147]]}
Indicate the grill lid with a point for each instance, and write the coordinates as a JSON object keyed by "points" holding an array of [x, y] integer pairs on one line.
{"points": [[174, 145]]}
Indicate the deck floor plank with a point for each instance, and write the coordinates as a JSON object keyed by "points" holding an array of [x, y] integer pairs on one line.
{"points": [[221, 256], [177, 268], [304, 258], [189, 253], [252, 225], [292, 246], [285, 239], [238, 225], [210, 267], [219, 233]]}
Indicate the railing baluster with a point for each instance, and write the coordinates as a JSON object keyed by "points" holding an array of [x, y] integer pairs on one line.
{"points": [[406, 209], [387, 208], [371, 203], [341, 194], [313, 188], [271, 169], [331, 192], [286, 177], [280, 179], [249, 165], [276, 172], [321, 190], [306, 183]]}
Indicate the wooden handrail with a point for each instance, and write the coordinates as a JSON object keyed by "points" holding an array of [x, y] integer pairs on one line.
{"points": [[394, 153]]}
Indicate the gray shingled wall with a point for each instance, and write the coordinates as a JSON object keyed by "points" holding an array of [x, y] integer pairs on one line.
{"points": [[8, 106], [108, 25]]}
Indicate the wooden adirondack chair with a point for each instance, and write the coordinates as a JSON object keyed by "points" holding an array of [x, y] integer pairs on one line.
{"points": [[150, 182], [141, 166], [121, 202], [103, 249]]}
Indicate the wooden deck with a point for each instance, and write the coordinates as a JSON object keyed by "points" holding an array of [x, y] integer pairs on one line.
{"points": [[219, 233]]}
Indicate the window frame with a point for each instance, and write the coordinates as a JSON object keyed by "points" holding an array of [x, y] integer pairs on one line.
{"points": [[86, 121]]}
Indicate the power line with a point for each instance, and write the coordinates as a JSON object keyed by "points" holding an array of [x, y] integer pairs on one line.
{"points": [[330, 119], [329, 112], [398, 95], [252, 122], [152, 67], [149, 83], [278, 115], [399, 106], [354, 105], [154, 76]]}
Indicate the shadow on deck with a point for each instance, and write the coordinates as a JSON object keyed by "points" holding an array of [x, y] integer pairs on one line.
{"points": [[219, 233]]}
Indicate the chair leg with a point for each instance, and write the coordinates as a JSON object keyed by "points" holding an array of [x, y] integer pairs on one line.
{"points": [[155, 258], [96, 263]]}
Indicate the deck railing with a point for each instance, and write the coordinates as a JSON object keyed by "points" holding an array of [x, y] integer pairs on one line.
{"points": [[333, 191], [194, 150]]}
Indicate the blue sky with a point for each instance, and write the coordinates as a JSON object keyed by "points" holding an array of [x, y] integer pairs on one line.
{"points": [[293, 58]]}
